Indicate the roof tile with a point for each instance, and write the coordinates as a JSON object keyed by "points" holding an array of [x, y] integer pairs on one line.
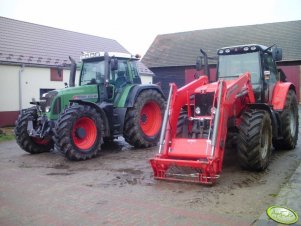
{"points": [[23, 42]]}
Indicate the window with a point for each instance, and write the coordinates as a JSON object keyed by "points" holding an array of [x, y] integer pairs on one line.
{"points": [[120, 77], [43, 91], [92, 73], [231, 66], [136, 77], [56, 74], [269, 65]]}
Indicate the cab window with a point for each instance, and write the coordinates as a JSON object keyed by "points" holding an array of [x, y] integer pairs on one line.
{"points": [[134, 72], [269, 65], [120, 77]]}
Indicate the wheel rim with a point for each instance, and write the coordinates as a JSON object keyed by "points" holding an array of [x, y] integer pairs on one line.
{"points": [[150, 119], [84, 133], [264, 144], [293, 122]]}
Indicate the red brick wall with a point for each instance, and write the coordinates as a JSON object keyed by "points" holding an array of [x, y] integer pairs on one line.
{"points": [[8, 118]]}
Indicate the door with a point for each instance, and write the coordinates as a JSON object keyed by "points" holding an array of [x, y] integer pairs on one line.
{"points": [[269, 77]]}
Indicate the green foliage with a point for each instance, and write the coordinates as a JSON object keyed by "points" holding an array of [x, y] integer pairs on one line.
{"points": [[7, 134]]}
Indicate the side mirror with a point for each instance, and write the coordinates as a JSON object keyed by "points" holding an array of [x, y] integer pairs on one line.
{"points": [[277, 54], [267, 75], [199, 63], [114, 64]]}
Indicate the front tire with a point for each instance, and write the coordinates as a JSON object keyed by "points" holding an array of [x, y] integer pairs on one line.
{"points": [[30, 144], [254, 141], [79, 132], [289, 122], [144, 120]]}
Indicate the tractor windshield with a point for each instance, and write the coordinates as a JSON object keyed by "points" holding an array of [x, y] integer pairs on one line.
{"points": [[92, 72], [231, 66]]}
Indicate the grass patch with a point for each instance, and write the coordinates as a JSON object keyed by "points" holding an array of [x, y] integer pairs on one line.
{"points": [[273, 195], [7, 134]]}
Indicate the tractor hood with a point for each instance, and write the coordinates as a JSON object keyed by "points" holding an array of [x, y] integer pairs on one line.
{"points": [[88, 92], [59, 102], [211, 87]]}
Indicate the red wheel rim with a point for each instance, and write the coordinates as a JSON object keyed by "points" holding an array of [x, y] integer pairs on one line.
{"points": [[150, 119], [84, 133], [40, 140]]}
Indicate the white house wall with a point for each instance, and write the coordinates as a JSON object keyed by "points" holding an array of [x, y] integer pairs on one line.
{"points": [[146, 79], [32, 80], [9, 91]]}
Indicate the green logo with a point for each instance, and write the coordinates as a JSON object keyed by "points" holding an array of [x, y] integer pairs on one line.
{"points": [[282, 215]]}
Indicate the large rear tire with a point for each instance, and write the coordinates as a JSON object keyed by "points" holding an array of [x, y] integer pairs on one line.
{"points": [[144, 120], [30, 144], [290, 123], [79, 132], [254, 141]]}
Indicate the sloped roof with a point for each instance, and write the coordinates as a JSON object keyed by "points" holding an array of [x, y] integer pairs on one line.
{"points": [[28, 43], [144, 70], [181, 49]]}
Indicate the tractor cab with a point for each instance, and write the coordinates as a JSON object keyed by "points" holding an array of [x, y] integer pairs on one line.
{"points": [[258, 60], [113, 71]]}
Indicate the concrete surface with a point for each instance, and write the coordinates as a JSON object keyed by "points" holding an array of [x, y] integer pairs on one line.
{"points": [[289, 196]]}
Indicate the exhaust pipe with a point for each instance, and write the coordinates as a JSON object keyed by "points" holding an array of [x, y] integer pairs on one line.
{"points": [[206, 67], [72, 72]]}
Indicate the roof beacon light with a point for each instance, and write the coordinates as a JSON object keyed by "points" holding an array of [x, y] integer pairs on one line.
{"points": [[253, 48], [246, 48], [221, 51], [227, 51]]}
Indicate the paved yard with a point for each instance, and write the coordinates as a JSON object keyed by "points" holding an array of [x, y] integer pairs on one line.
{"points": [[117, 188]]}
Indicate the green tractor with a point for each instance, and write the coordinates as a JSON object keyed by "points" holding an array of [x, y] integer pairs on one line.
{"points": [[110, 101]]}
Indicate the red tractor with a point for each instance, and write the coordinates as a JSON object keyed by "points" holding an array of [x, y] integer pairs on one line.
{"points": [[250, 101]]}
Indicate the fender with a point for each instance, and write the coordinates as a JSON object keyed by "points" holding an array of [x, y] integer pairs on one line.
{"points": [[279, 95], [136, 90], [103, 109]]}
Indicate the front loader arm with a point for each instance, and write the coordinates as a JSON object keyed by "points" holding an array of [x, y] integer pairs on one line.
{"points": [[176, 100]]}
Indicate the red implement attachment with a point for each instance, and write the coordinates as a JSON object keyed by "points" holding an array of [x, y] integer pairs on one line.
{"points": [[194, 128]]}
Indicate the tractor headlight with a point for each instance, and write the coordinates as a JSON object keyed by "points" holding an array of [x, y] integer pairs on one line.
{"points": [[197, 110], [47, 108]]}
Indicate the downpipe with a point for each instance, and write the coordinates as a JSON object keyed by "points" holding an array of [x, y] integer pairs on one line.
{"points": [[20, 86], [165, 120]]}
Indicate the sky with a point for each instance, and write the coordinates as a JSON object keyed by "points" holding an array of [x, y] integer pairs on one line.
{"points": [[136, 23]]}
